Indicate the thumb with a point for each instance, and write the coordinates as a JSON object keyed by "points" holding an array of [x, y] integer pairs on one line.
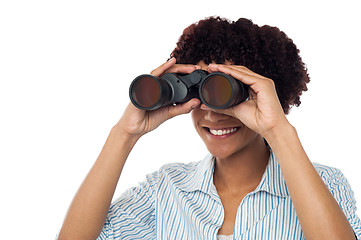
{"points": [[183, 107]]}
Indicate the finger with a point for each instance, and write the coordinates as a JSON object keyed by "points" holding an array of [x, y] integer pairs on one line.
{"points": [[162, 68], [182, 68], [183, 108], [244, 69], [255, 81], [235, 67], [240, 75], [252, 94]]}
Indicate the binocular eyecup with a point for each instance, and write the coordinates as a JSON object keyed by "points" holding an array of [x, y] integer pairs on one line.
{"points": [[216, 90]]}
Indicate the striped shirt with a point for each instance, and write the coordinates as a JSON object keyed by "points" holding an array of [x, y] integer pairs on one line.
{"points": [[180, 201]]}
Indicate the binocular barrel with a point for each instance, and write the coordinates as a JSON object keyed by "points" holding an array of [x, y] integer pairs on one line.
{"points": [[216, 90]]}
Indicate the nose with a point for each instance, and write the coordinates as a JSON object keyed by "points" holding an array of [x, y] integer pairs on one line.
{"points": [[213, 116]]}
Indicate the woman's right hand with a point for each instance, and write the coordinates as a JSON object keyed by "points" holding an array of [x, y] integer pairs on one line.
{"points": [[136, 122]]}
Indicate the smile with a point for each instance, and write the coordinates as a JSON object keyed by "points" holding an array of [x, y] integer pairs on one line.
{"points": [[220, 132]]}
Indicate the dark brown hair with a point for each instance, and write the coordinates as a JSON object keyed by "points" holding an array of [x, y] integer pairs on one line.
{"points": [[265, 50]]}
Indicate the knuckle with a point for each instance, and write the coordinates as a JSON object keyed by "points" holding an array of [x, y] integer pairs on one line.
{"points": [[270, 82], [244, 68]]}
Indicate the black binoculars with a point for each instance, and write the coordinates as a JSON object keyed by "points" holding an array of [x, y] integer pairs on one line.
{"points": [[216, 90]]}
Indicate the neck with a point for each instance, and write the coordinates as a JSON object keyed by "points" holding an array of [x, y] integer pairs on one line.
{"points": [[242, 171]]}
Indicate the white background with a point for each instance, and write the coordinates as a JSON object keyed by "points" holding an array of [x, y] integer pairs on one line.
{"points": [[65, 69]]}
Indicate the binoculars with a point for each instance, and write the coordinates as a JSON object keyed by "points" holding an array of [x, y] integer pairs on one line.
{"points": [[216, 90]]}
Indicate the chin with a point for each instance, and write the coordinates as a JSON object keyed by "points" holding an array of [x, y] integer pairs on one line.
{"points": [[222, 152]]}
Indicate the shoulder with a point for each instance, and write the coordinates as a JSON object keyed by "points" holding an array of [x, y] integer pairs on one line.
{"points": [[327, 172], [333, 178], [177, 168], [185, 176], [174, 169], [178, 173], [340, 188], [170, 170], [330, 174]]}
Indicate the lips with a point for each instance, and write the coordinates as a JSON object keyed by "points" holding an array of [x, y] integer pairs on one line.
{"points": [[222, 132]]}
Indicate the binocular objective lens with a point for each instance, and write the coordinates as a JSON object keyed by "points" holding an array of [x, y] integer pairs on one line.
{"points": [[216, 91], [146, 92]]}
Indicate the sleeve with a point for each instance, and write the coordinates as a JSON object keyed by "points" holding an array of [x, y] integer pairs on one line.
{"points": [[132, 215], [341, 190]]}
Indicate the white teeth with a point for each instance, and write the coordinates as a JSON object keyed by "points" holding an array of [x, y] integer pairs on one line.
{"points": [[222, 132]]}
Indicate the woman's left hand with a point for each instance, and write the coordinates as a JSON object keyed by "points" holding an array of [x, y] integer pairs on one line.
{"points": [[263, 112]]}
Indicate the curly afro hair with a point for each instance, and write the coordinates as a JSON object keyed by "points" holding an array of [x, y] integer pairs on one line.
{"points": [[265, 50]]}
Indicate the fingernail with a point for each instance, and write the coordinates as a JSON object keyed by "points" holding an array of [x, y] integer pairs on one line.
{"points": [[204, 107]]}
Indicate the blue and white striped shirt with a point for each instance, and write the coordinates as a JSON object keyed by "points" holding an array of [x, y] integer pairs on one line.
{"points": [[180, 201]]}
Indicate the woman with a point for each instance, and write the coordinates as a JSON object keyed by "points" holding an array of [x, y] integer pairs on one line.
{"points": [[257, 182]]}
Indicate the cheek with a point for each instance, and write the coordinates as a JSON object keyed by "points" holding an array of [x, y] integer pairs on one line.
{"points": [[247, 139], [196, 116], [246, 135]]}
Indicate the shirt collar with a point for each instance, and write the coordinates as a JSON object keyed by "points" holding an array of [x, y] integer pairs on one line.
{"points": [[272, 180], [202, 178]]}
